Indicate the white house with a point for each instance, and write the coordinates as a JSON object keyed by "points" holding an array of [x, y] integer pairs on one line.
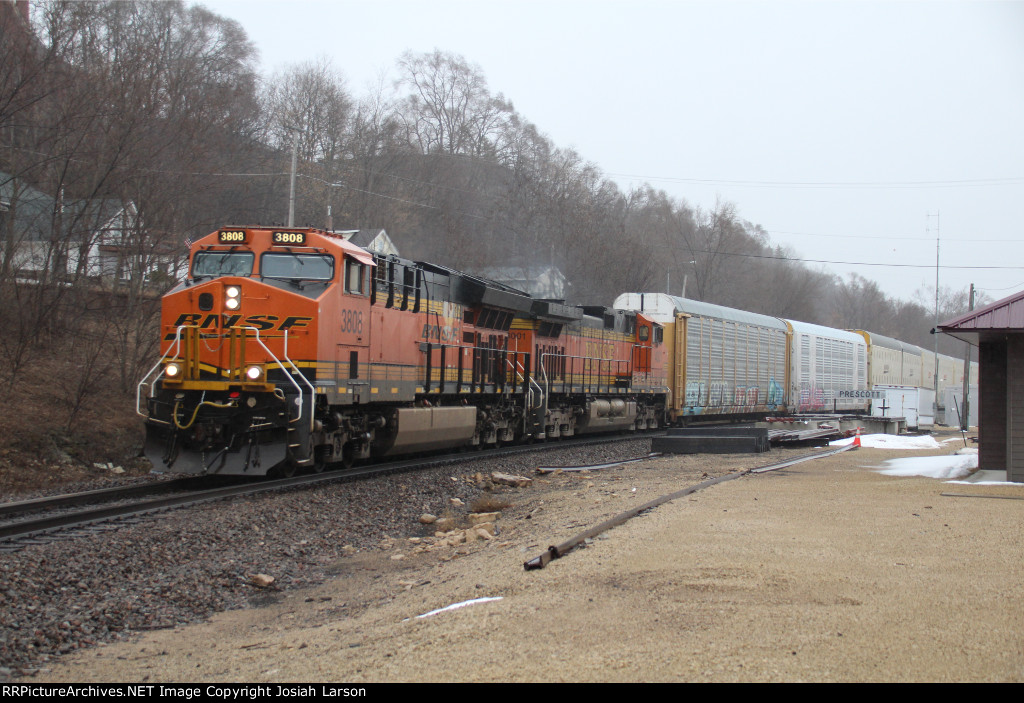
{"points": [[375, 240], [538, 281], [42, 238]]}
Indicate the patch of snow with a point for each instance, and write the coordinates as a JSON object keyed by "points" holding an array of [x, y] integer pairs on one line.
{"points": [[950, 466], [890, 441], [953, 439], [988, 477]]}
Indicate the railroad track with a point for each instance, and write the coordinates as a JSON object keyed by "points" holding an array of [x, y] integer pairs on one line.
{"points": [[101, 495], [38, 523]]}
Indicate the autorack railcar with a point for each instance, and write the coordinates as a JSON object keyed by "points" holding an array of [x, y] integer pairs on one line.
{"points": [[826, 365], [722, 361]]}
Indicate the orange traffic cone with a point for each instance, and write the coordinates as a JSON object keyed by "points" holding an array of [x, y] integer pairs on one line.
{"points": [[856, 439]]}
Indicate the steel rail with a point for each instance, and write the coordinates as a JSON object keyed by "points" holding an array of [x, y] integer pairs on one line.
{"points": [[65, 500], [81, 518], [94, 515], [596, 467]]}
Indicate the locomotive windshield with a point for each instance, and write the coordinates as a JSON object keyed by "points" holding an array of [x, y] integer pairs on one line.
{"points": [[304, 267], [222, 263]]}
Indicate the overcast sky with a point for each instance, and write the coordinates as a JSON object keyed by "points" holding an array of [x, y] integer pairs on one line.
{"points": [[851, 131]]}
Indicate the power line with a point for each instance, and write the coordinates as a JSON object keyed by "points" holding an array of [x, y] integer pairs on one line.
{"points": [[970, 183], [695, 251], [429, 184], [887, 237], [390, 197], [843, 263], [1014, 286]]}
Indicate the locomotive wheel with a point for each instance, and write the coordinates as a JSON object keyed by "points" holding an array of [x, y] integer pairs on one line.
{"points": [[343, 459], [286, 469], [347, 457], [320, 459]]}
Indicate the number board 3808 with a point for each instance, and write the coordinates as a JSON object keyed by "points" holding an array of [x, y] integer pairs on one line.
{"points": [[296, 238], [231, 236]]}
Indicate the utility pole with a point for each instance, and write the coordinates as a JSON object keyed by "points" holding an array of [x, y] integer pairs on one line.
{"points": [[686, 276], [935, 376], [965, 412], [295, 162]]}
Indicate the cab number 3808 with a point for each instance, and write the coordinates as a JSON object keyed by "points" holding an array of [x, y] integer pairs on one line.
{"points": [[352, 321]]}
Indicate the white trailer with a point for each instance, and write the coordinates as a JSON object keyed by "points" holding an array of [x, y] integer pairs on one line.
{"points": [[910, 402]]}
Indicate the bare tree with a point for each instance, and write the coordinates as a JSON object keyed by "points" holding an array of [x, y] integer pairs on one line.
{"points": [[309, 107], [449, 108], [716, 237], [133, 96], [858, 303]]}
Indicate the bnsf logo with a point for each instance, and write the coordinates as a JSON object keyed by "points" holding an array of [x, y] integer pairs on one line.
{"points": [[260, 322]]}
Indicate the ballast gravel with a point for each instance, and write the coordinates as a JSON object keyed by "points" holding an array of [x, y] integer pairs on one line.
{"points": [[181, 566]]}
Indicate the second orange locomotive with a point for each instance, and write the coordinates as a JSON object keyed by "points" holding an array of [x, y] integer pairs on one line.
{"points": [[292, 348]]}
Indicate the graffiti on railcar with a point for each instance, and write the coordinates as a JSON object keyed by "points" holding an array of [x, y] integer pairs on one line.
{"points": [[813, 397], [695, 393], [723, 394], [719, 391]]}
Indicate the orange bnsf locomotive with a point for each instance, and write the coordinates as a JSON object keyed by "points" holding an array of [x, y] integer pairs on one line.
{"points": [[292, 348]]}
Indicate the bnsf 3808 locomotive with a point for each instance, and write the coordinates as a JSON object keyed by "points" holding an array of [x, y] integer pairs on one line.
{"points": [[292, 348]]}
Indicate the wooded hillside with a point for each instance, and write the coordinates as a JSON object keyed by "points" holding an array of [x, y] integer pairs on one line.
{"points": [[127, 127]]}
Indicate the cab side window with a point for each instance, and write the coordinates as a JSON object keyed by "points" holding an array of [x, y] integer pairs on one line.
{"points": [[355, 277]]}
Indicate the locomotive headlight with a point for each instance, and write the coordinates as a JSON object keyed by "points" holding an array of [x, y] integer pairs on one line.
{"points": [[172, 370], [253, 373], [234, 294]]}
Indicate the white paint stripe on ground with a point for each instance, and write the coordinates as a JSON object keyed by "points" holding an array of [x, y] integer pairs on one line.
{"points": [[456, 606]]}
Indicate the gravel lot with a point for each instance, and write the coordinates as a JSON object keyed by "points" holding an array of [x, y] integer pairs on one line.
{"points": [[826, 571]]}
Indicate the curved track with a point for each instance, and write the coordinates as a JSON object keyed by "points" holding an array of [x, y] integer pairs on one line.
{"points": [[101, 495], [135, 502]]}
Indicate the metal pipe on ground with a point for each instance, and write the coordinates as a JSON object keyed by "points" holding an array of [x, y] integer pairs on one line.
{"points": [[560, 550]]}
